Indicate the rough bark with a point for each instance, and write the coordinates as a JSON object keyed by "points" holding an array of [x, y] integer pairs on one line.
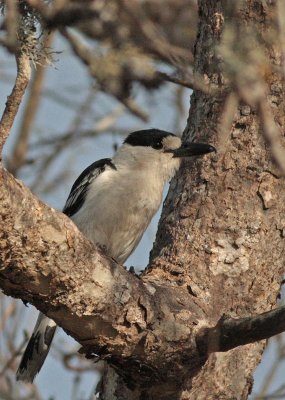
{"points": [[15, 98], [150, 331], [221, 233], [137, 327]]}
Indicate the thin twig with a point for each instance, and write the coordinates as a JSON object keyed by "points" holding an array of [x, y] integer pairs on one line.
{"points": [[151, 37], [60, 146], [191, 82], [86, 56], [7, 313], [225, 125], [271, 133], [134, 108], [11, 24], [281, 25], [15, 98], [12, 358], [69, 136], [67, 362], [21, 146]]}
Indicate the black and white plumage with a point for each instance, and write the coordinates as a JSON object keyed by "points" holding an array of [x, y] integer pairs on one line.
{"points": [[81, 185], [112, 202]]}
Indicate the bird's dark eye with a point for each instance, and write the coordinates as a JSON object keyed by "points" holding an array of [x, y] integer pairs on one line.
{"points": [[157, 145]]}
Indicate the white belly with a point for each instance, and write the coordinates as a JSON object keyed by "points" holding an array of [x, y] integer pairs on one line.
{"points": [[116, 215]]}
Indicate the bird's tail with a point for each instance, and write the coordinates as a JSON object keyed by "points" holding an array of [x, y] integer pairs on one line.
{"points": [[37, 349]]}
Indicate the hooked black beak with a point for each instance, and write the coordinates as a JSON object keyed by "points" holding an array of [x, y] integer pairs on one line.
{"points": [[193, 149]]}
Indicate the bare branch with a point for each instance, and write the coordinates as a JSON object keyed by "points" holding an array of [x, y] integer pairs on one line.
{"points": [[230, 332], [134, 108], [190, 81], [11, 23], [20, 148], [15, 354], [89, 59], [281, 22], [224, 128], [60, 17], [109, 311], [16, 96], [151, 37], [6, 314], [271, 133]]}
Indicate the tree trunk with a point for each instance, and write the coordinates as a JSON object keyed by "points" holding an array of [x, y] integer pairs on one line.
{"points": [[221, 232]]}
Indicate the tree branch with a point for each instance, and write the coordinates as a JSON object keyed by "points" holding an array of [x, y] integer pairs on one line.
{"points": [[190, 81], [231, 332], [91, 61], [46, 261], [272, 133], [17, 158], [15, 98]]}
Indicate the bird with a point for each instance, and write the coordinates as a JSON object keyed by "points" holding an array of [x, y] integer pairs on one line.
{"points": [[112, 203]]}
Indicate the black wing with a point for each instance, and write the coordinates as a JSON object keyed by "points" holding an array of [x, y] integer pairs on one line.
{"points": [[79, 189]]}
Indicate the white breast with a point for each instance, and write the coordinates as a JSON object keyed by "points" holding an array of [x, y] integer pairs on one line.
{"points": [[118, 208], [121, 202]]}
